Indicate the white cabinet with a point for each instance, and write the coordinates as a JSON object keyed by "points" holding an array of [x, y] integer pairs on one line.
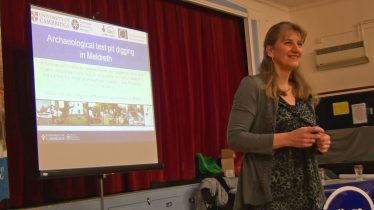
{"points": [[170, 198], [171, 203]]}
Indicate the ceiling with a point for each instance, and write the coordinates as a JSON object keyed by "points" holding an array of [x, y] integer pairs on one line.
{"points": [[294, 3]]}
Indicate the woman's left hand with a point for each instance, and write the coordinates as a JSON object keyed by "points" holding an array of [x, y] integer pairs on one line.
{"points": [[323, 142]]}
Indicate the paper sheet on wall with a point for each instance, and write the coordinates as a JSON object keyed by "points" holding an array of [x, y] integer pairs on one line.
{"points": [[340, 108], [359, 113]]}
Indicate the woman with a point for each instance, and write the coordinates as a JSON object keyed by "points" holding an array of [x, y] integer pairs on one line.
{"points": [[273, 123]]}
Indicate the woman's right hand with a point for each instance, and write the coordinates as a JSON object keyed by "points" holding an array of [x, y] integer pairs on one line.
{"points": [[300, 138]]}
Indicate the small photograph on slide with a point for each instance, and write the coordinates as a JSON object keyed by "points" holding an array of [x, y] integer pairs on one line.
{"points": [[136, 115], [124, 115], [43, 112], [56, 112], [72, 113], [95, 114], [148, 116], [113, 114]]}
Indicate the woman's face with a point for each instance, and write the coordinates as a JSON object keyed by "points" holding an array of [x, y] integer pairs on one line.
{"points": [[286, 52]]}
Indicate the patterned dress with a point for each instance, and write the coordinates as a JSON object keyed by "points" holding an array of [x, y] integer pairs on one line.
{"points": [[295, 182]]}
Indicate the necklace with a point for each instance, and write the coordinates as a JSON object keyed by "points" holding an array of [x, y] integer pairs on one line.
{"points": [[284, 92]]}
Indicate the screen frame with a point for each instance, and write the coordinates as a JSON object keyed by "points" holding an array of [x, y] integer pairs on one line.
{"points": [[85, 171]]}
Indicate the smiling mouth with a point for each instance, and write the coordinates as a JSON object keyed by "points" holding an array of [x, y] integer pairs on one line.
{"points": [[294, 56]]}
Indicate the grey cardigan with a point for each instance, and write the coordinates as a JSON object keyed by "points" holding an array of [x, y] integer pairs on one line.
{"points": [[250, 130]]}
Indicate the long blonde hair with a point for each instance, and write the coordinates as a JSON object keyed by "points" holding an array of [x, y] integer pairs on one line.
{"points": [[301, 88]]}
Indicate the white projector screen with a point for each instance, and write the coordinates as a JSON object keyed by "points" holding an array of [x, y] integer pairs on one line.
{"points": [[93, 96]]}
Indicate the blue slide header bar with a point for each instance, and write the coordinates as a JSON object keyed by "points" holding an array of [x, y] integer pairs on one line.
{"points": [[57, 44]]}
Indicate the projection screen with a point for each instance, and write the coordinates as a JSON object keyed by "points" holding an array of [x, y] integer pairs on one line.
{"points": [[93, 96]]}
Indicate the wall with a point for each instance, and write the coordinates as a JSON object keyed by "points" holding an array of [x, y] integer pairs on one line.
{"points": [[333, 23], [329, 23]]}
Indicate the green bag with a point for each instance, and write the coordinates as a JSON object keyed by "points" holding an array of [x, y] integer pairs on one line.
{"points": [[208, 165]]}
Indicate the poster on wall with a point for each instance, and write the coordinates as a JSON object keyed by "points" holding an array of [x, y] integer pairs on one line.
{"points": [[4, 181], [359, 113]]}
